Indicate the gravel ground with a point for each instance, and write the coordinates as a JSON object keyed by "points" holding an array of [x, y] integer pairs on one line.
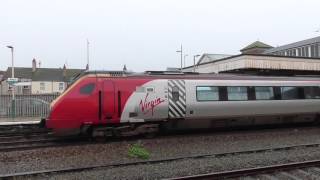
{"points": [[190, 167], [193, 144]]}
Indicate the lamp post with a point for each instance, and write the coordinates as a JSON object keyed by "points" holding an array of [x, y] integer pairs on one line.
{"points": [[180, 51], [88, 66], [184, 60], [194, 62], [12, 86]]}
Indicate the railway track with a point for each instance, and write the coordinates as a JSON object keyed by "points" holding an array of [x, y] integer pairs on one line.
{"points": [[297, 170], [219, 175], [21, 130], [39, 142]]}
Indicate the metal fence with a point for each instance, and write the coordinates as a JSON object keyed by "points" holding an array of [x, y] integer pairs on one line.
{"points": [[26, 105]]}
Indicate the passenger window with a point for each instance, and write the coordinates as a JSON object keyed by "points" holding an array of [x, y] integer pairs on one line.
{"points": [[236, 93], [289, 93], [175, 93], [87, 89], [312, 92], [207, 93], [264, 93]]}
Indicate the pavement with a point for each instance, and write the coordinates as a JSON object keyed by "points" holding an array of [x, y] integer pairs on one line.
{"points": [[19, 120]]}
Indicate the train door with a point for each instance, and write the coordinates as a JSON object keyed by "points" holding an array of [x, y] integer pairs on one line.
{"points": [[108, 102], [177, 99]]}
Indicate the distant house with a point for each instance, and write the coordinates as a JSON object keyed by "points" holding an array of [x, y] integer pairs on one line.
{"points": [[35, 80]]}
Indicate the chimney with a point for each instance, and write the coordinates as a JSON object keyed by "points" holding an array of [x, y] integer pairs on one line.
{"points": [[64, 70], [34, 65], [124, 68]]}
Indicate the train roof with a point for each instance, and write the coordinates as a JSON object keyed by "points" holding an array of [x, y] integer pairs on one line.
{"points": [[192, 75]]}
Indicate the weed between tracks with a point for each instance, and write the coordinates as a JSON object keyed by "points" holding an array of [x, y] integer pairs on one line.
{"points": [[138, 151]]}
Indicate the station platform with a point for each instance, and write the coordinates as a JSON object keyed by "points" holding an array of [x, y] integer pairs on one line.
{"points": [[19, 120]]}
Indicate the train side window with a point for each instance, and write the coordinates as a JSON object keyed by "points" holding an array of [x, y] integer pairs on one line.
{"points": [[312, 92], [237, 93], [223, 94], [87, 89], [207, 93], [264, 93], [288, 93], [175, 93], [251, 93], [277, 93]]}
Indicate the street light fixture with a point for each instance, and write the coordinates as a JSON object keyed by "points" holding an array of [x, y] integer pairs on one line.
{"points": [[194, 62], [12, 75], [180, 51]]}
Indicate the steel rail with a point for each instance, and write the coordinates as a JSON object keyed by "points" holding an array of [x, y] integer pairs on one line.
{"points": [[43, 142], [157, 161], [251, 171]]}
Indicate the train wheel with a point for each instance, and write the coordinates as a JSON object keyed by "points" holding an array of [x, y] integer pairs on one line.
{"points": [[86, 131]]}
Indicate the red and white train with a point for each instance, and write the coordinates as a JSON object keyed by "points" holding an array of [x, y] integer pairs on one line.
{"points": [[117, 103]]}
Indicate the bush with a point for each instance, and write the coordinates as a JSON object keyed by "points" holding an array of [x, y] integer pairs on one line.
{"points": [[137, 151]]}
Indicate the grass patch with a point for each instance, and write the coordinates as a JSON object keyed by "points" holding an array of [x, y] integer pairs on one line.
{"points": [[137, 151]]}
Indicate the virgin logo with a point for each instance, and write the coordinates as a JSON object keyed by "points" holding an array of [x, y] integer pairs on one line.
{"points": [[148, 105]]}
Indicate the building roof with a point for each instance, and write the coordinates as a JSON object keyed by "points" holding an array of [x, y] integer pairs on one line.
{"points": [[205, 58], [257, 44], [261, 55], [43, 74], [294, 45]]}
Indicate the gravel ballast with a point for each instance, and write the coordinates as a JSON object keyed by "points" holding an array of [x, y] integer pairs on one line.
{"points": [[192, 167], [166, 147]]}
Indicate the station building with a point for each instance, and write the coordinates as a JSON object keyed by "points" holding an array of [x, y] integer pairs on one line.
{"points": [[258, 58]]}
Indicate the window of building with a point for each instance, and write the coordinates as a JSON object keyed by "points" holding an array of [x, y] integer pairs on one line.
{"points": [[264, 93], [317, 50], [299, 52], [42, 86], [312, 51], [312, 92], [61, 86], [207, 93], [237, 93], [87, 89], [307, 51], [287, 53], [289, 93], [294, 52]]}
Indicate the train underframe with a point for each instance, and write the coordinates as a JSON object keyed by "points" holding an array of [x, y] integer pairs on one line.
{"points": [[150, 128]]}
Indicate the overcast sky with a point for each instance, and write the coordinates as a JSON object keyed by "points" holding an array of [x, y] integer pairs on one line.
{"points": [[145, 34]]}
